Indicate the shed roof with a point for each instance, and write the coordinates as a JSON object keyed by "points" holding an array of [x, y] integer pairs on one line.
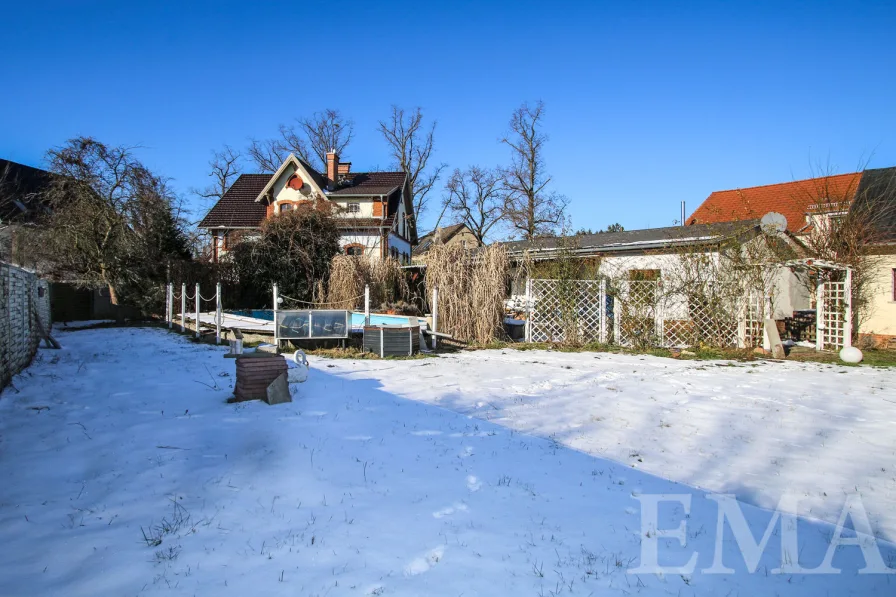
{"points": [[648, 239]]}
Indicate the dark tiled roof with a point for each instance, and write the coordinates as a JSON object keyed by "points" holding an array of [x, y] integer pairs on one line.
{"points": [[639, 240], [21, 188], [371, 183], [877, 195], [344, 223], [238, 208], [792, 199], [319, 179]]}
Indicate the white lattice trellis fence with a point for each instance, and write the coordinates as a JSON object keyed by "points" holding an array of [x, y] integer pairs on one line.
{"points": [[566, 311], [636, 309], [834, 313], [636, 313], [755, 310]]}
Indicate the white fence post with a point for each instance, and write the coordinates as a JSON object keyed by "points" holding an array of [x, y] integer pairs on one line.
{"points": [[183, 307], [819, 313], [169, 300], [197, 311], [603, 311], [617, 320], [847, 312], [218, 313], [435, 316], [276, 339], [528, 330], [366, 304]]}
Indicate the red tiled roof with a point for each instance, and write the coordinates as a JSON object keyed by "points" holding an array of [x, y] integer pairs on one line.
{"points": [[791, 199]]}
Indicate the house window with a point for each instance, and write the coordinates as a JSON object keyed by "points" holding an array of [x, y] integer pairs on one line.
{"points": [[353, 208], [393, 252], [354, 250], [285, 207]]}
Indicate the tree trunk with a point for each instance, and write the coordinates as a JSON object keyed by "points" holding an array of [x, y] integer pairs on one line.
{"points": [[113, 296]]}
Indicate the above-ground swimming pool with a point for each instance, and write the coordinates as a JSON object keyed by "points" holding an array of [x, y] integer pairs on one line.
{"points": [[357, 318]]}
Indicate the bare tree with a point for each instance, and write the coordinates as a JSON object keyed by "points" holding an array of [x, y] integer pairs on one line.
{"points": [[848, 223], [309, 138], [268, 154], [531, 208], [476, 197], [112, 222], [326, 131], [411, 145], [224, 168]]}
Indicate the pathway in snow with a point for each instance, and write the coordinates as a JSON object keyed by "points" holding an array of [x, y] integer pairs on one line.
{"points": [[355, 489]]}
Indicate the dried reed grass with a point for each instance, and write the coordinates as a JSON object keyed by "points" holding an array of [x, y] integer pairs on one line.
{"points": [[349, 274], [472, 287]]}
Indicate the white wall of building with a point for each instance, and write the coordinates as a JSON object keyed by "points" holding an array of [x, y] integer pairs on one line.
{"points": [[881, 316], [365, 207], [281, 193], [403, 246], [371, 242]]}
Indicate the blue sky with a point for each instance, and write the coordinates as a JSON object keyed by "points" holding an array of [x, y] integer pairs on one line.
{"points": [[648, 104]]}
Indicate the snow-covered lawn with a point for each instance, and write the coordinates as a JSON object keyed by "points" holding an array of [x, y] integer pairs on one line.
{"points": [[359, 487], [756, 429]]}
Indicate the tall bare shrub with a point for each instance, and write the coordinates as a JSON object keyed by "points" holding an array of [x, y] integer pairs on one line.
{"points": [[350, 273], [472, 286]]}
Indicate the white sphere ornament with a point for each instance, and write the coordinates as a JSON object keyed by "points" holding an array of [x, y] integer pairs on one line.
{"points": [[851, 354]]}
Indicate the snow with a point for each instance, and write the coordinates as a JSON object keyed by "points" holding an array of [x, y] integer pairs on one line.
{"points": [[385, 478], [756, 429]]}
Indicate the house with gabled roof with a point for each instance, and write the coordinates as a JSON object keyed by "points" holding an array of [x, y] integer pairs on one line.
{"points": [[815, 206], [22, 203], [458, 233], [373, 209]]}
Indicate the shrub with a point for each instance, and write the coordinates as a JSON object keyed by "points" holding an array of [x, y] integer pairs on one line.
{"points": [[293, 250], [350, 273], [472, 287]]}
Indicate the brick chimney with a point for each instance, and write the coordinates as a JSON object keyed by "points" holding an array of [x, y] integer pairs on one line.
{"points": [[332, 168]]}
